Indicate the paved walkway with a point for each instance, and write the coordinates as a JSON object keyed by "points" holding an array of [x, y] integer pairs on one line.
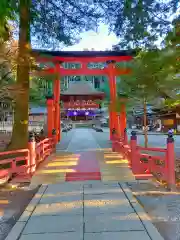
{"points": [[84, 196]]}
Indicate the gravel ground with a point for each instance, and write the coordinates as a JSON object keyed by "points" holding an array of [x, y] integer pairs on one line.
{"points": [[162, 206], [13, 201]]}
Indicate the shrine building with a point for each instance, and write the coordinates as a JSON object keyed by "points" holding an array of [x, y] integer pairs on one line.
{"points": [[80, 101]]}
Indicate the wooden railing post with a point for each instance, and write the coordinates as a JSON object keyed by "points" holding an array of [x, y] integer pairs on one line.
{"points": [[43, 150], [114, 139], [54, 139], [114, 134], [171, 162], [32, 152], [133, 145], [125, 137]]}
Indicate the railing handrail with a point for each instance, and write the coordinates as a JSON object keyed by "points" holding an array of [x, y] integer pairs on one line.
{"points": [[33, 155], [152, 156], [17, 158], [151, 149], [146, 165], [14, 151]]}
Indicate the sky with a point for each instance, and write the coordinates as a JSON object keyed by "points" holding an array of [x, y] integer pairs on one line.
{"points": [[97, 41]]}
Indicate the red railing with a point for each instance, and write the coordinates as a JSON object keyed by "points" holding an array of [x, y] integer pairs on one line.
{"points": [[24, 162], [148, 162], [121, 145], [44, 149], [15, 161]]}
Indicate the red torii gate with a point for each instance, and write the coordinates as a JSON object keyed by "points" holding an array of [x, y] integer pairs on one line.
{"points": [[117, 122]]}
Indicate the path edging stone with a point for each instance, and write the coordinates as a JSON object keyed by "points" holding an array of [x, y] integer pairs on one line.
{"points": [[145, 219], [19, 226]]}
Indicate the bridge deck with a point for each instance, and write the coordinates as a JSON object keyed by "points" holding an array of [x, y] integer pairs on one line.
{"points": [[83, 196], [83, 159]]}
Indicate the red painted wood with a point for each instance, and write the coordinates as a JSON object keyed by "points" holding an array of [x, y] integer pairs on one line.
{"points": [[83, 176], [59, 113], [85, 59], [122, 119], [57, 104], [113, 93], [50, 116], [152, 149], [79, 72], [36, 153]]}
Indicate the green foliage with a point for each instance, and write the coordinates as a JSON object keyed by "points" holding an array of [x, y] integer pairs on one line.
{"points": [[155, 73], [105, 88], [7, 12], [37, 97], [171, 103], [40, 87], [140, 23], [173, 37], [153, 76], [55, 22]]}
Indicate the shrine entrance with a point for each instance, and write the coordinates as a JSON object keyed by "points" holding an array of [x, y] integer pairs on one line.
{"points": [[54, 64], [81, 102]]}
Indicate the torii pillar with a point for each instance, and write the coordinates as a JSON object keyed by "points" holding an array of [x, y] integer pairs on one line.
{"points": [[113, 118], [122, 116], [56, 91], [50, 115]]}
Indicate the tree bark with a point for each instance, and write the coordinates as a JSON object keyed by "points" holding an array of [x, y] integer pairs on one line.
{"points": [[21, 117], [145, 124]]}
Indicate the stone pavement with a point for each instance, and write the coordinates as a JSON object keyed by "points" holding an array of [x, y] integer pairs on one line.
{"points": [[68, 208], [111, 166], [84, 155], [84, 211]]}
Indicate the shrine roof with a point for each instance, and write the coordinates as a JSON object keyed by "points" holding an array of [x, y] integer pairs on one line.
{"points": [[79, 54], [81, 88]]}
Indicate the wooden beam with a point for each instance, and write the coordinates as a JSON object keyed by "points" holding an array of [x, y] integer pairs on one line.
{"points": [[84, 59], [83, 71]]}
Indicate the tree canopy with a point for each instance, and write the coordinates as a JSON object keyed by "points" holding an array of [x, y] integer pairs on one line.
{"points": [[54, 21], [141, 23], [152, 76], [155, 73], [48, 23]]}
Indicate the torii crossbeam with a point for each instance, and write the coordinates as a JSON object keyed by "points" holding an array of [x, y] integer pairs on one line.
{"points": [[109, 58]]}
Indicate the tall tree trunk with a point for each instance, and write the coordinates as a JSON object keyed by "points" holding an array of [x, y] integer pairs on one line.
{"points": [[20, 128], [145, 124]]}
